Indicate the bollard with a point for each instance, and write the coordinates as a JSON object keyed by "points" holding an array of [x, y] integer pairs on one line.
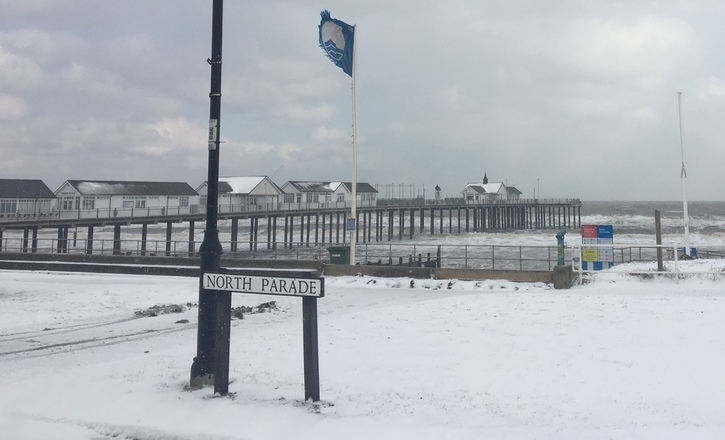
{"points": [[560, 247]]}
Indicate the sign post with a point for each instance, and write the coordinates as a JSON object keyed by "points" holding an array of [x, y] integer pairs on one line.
{"points": [[310, 348], [306, 287]]}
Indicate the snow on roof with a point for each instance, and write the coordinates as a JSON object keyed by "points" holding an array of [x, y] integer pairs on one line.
{"points": [[242, 185], [101, 188], [107, 187], [493, 187], [489, 188], [311, 186]]}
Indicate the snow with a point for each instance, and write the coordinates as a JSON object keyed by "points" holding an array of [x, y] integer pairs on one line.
{"points": [[623, 356], [102, 188], [242, 185]]}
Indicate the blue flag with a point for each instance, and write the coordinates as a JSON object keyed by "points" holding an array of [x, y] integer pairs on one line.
{"points": [[337, 39]]}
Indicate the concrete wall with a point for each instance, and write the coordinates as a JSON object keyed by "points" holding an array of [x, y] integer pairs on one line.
{"points": [[439, 273]]}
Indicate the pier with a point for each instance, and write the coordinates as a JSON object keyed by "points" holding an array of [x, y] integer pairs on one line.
{"points": [[300, 225]]}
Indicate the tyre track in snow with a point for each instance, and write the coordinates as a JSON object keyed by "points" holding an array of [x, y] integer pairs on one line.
{"points": [[6, 337], [83, 337]]}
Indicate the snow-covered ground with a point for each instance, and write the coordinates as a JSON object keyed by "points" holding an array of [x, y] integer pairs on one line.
{"points": [[625, 357]]}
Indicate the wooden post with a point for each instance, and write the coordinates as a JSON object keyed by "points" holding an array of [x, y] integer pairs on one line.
{"points": [[658, 238], [401, 214], [251, 233], [89, 240], [168, 238], [192, 249], [310, 348], [144, 235], [309, 222], [116, 239], [234, 232], [26, 232], [274, 232]]}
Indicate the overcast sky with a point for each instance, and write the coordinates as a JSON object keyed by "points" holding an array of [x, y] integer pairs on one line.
{"points": [[571, 98]]}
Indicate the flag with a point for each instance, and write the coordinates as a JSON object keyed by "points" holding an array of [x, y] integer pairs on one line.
{"points": [[337, 39]]}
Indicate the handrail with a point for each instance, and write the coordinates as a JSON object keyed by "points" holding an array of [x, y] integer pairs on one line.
{"points": [[672, 255], [193, 210]]}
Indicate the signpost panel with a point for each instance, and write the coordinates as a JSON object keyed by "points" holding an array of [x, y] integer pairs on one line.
{"points": [[600, 256]]}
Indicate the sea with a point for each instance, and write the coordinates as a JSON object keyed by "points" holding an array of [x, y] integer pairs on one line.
{"points": [[632, 222], [634, 236], [636, 220]]}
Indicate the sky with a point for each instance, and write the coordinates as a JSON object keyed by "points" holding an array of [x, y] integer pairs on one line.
{"points": [[561, 99]]}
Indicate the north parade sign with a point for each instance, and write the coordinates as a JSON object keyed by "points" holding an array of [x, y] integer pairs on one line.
{"points": [[265, 285]]}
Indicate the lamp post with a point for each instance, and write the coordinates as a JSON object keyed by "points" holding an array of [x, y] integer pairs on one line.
{"points": [[211, 303]]}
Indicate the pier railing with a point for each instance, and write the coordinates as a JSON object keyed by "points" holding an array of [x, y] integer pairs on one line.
{"points": [[191, 210]]}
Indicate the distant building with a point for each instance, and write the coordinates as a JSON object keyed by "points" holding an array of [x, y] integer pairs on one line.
{"points": [[104, 198], [239, 194], [25, 198], [513, 193], [312, 194], [486, 192]]}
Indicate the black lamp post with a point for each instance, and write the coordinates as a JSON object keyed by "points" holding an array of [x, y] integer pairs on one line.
{"points": [[212, 304]]}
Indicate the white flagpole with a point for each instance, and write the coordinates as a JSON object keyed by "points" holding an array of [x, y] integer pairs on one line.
{"points": [[683, 176], [353, 213]]}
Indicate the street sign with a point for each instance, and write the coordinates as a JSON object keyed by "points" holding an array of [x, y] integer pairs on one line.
{"points": [[265, 285], [307, 288]]}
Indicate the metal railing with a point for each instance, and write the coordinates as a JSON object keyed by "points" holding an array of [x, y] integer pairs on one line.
{"points": [[492, 257], [158, 211], [672, 255]]}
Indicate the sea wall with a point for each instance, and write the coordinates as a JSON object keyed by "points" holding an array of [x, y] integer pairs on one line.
{"points": [[561, 277]]}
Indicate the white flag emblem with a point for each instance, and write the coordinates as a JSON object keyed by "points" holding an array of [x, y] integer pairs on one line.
{"points": [[333, 40]]}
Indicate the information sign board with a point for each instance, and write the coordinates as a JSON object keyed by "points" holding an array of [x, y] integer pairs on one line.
{"points": [[600, 256]]}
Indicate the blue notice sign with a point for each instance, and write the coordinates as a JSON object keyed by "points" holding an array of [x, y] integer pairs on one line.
{"points": [[350, 226], [605, 231]]}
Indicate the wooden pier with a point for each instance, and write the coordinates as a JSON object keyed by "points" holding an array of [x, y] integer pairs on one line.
{"points": [[316, 226]]}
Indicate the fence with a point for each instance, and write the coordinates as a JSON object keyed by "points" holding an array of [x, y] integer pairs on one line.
{"points": [[492, 257], [454, 256], [638, 253]]}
